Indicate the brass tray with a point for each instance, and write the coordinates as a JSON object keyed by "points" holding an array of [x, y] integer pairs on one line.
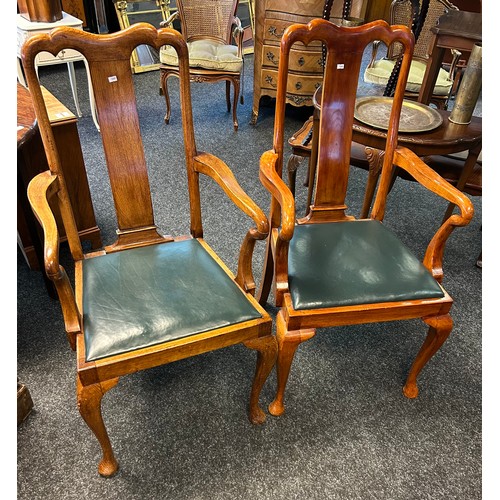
{"points": [[415, 116]]}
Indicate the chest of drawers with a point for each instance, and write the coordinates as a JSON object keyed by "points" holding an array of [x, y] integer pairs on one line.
{"points": [[272, 17], [26, 29]]}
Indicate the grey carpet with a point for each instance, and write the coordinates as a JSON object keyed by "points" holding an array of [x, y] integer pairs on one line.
{"points": [[181, 431]]}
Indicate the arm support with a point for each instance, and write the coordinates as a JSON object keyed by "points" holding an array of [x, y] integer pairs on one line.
{"points": [[215, 168], [282, 218], [170, 20], [280, 192], [427, 177], [238, 35], [373, 57], [40, 190]]}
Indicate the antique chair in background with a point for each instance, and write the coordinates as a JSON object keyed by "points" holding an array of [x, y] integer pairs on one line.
{"points": [[146, 299], [208, 26], [328, 268], [420, 16]]}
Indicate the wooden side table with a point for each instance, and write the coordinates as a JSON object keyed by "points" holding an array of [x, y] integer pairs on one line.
{"points": [[448, 138], [457, 29], [31, 160], [26, 29]]}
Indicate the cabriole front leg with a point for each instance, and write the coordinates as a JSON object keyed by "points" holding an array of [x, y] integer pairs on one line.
{"points": [[236, 85], [267, 351], [439, 329], [288, 341], [164, 87], [89, 403]]}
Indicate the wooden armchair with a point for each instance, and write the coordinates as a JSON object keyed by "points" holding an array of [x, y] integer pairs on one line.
{"points": [[146, 299], [329, 269], [420, 16], [208, 26]]}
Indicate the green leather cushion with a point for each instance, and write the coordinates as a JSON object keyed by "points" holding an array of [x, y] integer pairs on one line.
{"points": [[349, 263], [144, 296]]}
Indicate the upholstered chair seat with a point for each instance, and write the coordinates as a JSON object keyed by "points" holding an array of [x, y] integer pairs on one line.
{"points": [[214, 37], [375, 266], [166, 292], [206, 54], [380, 71]]}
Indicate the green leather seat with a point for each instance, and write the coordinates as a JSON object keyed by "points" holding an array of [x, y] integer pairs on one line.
{"points": [[144, 296], [356, 262]]}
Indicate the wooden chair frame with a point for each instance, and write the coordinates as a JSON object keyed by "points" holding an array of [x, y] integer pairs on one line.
{"points": [[345, 47], [109, 62]]}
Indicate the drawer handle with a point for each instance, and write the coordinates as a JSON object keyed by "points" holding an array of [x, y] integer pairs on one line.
{"points": [[301, 61], [269, 80], [274, 32], [270, 57], [317, 85], [299, 100], [298, 85]]}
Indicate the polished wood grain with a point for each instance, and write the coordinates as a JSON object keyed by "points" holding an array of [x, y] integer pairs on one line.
{"points": [[108, 58], [457, 29], [336, 131]]}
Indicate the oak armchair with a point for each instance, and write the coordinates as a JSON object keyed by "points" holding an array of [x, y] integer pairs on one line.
{"points": [[209, 28], [146, 299], [328, 269]]}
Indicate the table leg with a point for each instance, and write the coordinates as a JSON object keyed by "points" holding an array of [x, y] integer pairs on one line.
{"points": [[469, 164], [431, 73], [20, 74], [91, 97], [313, 160], [375, 159], [72, 81]]}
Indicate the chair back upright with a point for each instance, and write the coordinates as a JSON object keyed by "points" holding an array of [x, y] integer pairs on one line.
{"points": [[344, 53], [201, 19], [108, 58]]}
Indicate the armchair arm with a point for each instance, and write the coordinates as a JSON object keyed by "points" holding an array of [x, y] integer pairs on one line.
{"points": [[282, 218], [40, 189], [238, 35], [280, 192], [215, 168], [375, 45], [430, 179], [170, 20]]}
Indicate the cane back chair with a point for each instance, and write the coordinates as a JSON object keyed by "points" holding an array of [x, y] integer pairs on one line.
{"points": [[209, 27], [147, 299], [329, 269], [421, 16]]}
